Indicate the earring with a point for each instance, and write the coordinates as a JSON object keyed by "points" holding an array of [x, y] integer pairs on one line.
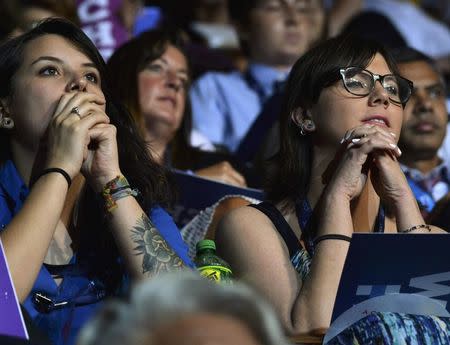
{"points": [[306, 126], [302, 129], [309, 126], [7, 123]]}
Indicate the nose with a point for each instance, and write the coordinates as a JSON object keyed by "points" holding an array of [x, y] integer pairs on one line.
{"points": [[77, 84], [173, 81], [379, 95], [422, 102], [291, 14]]}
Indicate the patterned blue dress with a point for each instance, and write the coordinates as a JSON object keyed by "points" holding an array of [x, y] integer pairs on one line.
{"points": [[377, 328]]}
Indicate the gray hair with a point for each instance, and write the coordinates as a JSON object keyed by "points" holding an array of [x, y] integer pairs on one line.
{"points": [[173, 296]]}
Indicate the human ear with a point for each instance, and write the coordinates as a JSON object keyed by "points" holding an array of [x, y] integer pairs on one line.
{"points": [[302, 118], [5, 120]]}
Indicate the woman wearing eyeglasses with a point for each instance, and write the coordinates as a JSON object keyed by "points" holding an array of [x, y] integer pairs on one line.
{"points": [[336, 173]]}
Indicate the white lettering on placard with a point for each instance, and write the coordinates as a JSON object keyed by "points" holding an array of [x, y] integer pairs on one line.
{"points": [[429, 284], [100, 33], [93, 10]]}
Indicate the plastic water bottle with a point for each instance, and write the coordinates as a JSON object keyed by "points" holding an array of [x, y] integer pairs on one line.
{"points": [[210, 264]]}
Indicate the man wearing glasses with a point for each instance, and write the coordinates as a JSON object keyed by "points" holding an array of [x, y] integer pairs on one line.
{"points": [[424, 128]]}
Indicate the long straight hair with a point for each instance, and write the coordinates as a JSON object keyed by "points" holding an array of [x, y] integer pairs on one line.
{"points": [[290, 169], [137, 165]]}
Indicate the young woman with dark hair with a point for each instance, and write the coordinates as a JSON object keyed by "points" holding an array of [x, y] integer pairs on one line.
{"points": [[69, 245], [336, 173]]}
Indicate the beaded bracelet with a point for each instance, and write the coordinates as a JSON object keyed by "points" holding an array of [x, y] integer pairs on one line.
{"points": [[415, 227], [319, 239], [116, 189]]}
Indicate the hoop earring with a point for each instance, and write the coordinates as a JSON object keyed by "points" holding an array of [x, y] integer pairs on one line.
{"points": [[309, 126], [7, 123]]}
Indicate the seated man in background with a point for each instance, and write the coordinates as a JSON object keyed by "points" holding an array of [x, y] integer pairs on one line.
{"points": [[424, 128], [273, 34], [186, 309]]}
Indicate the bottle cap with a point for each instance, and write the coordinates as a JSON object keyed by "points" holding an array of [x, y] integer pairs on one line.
{"points": [[206, 244]]}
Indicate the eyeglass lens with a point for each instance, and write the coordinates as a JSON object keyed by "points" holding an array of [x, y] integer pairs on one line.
{"points": [[360, 82]]}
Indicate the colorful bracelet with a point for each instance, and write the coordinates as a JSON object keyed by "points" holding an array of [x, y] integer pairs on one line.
{"points": [[415, 227], [116, 189], [319, 239]]}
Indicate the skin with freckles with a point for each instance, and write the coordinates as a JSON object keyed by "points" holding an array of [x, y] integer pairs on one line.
{"points": [[336, 105]]}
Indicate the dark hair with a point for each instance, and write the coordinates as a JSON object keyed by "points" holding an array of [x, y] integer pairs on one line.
{"points": [[124, 67], [408, 54], [139, 168], [314, 71], [240, 10], [61, 8]]}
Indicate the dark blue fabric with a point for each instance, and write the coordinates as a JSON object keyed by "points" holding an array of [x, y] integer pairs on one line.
{"points": [[77, 287], [304, 214]]}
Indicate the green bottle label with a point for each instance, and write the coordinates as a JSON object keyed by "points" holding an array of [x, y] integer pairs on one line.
{"points": [[216, 273]]}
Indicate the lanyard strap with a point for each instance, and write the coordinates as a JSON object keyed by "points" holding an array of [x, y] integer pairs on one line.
{"points": [[304, 214]]}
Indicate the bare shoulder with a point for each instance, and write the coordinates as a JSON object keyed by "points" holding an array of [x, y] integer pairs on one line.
{"points": [[246, 221], [245, 236]]}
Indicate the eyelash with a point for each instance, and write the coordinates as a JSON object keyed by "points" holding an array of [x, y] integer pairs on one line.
{"points": [[94, 76], [91, 77], [48, 68]]}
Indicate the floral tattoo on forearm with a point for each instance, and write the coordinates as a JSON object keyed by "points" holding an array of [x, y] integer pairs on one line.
{"points": [[157, 255]]}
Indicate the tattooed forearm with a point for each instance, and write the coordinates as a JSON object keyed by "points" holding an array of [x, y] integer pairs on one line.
{"points": [[157, 255]]}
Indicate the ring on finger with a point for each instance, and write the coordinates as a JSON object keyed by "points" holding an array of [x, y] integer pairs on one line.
{"points": [[76, 110]]}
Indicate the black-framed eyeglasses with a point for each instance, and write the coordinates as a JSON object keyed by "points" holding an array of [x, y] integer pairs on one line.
{"points": [[361, 82]]}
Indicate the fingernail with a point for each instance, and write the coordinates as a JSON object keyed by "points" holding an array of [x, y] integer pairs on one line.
{"points": [[393, 145], [393, 134], [399, 151], [342, 140], [355, 140], [347, 135]]}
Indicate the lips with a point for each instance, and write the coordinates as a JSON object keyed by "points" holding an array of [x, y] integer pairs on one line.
{"points": [[171, 100], [424, 127], [377, 120]]}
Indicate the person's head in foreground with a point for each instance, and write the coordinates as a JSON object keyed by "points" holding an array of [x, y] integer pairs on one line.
{"points": [[185, 308]]}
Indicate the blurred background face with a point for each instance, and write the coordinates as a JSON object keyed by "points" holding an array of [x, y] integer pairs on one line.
{"points": [[162, 87], [425, 114], [280, 31]]}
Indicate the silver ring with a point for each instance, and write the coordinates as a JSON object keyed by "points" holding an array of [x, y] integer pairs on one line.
{"points": [[75, 110]]}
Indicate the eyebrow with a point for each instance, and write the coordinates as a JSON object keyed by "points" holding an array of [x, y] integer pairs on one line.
{"points": [[181, 70], [55, 59], [437, 84]]}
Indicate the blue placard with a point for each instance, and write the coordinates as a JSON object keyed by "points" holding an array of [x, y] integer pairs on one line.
{"points": [[11, 320], [382, 264], [197, 193]]}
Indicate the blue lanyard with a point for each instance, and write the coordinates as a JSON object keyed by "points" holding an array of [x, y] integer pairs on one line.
{"points": [[423, 197], [304, 214], [92, 292]]}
